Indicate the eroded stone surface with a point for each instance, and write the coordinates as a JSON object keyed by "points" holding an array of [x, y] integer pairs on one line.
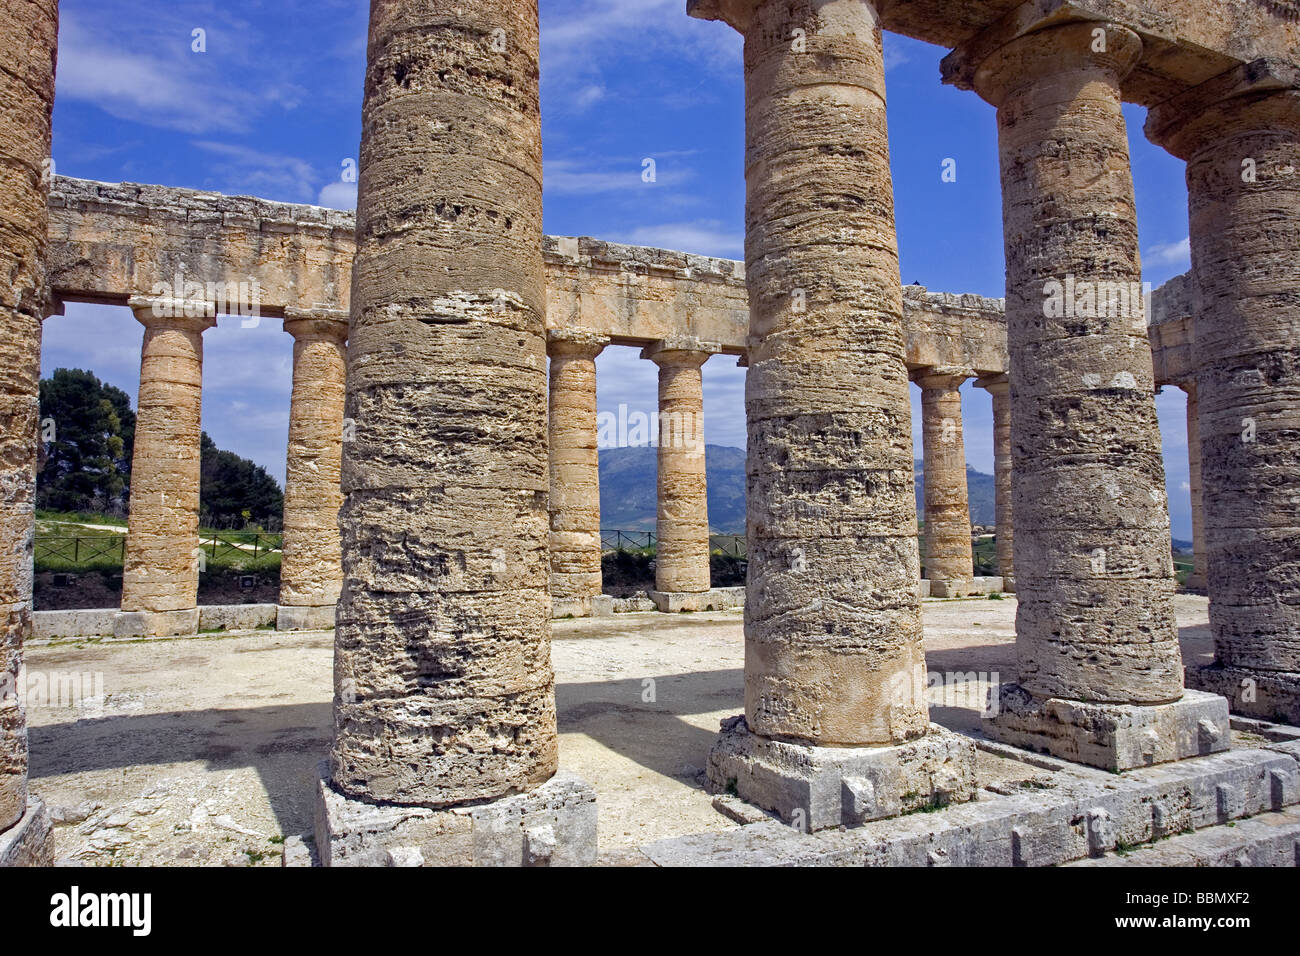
{"points": [[948, 555], [1094, 569], [444, 691]]}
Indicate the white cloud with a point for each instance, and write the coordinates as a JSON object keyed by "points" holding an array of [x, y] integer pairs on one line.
{"points": [[570, 177], [246, 171], [705, 237], [338, 196], [1170, 254]]}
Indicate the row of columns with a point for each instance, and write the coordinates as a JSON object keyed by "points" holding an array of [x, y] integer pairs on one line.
{"points": [[161, 567]]}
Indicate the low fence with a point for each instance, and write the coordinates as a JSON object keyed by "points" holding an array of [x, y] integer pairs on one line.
{"points": [[647, 541], [87, 549]]}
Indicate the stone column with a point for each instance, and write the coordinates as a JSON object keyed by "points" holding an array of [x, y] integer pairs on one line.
{"points": [[1240, 135], [999, 387], [28, 42], [160, 574], [682, 529], [1198, 580], [445, 746], [311, 568], [1095, 631], [575, 473], [949, 562], [834, 664]]}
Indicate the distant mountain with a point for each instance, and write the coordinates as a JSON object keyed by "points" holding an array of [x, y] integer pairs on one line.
{"points": [[628, 489]]}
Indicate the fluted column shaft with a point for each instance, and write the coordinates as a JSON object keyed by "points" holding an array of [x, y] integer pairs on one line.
{"points": [[948, 555], [28, 42], [1094, 571], [311, 569], [1243, 180], [575, 472], [682, 528], [444, 690], [832, 615], [161, 568]]}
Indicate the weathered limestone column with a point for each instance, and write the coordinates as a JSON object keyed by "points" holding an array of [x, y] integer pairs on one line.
{"points": [[28, 42], [1240, 135], [682, 528], [949, 561], [160, 574], [445, 745], [1198, 580], [311, 568], [1095, 632], [999, 387], [834, 666], [575, 472]]}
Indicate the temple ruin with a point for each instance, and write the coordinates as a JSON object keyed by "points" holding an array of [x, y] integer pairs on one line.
{"points": [[442, 498]]}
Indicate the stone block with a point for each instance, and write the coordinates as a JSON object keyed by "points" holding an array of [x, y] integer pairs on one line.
{"points": [[1271, 695], [715, 599], [1111, 736], [813, 788], [138, 624], [65, 625], [552, 825], [602, 605], [236, 617], [30, 841], [292, 618]]}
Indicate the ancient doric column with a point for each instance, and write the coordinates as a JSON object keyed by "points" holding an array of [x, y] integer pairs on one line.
{"points": [[1240, 135], [160, 575], [575, 472], [1094, 566], [311, 569], [27, 51], [999, 386], [949, 563], [682, 529], [444, 707], [833, 656], [1198, 580]]}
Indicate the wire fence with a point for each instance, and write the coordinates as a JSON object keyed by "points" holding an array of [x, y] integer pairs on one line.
{"points": [[86, 549], [645, 542]]}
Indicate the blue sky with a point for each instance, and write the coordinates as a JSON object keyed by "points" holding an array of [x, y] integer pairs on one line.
{"points": [[272, 108]]}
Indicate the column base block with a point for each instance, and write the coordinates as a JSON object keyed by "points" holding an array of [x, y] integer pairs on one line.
{"points": [[815, 788], [30, 841], [715, 599], [129, 624], [552, 825], [963, 587], [1110, 736], [295, 618], [570, 607], [1270, 695]]}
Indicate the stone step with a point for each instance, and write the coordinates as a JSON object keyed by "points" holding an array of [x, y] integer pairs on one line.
{"points": [[1270, 839]]}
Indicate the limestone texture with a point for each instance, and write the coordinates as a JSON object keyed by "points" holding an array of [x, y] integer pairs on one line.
{"points": [[28, 40], [682, 527], [1240, 135], [311, 568], [832, 614], [574, 471], [444, 691], [948, 556], [1198, 580], [161, 569], [999, 387], [1094, 570]]}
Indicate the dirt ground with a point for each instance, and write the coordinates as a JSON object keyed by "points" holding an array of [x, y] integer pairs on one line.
{"points": [[202, 751]]}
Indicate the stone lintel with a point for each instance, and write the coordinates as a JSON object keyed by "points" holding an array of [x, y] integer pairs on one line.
{"points": [[1166, 121], [553, 824], [30, 841], [1111, 736], [681, 350], [958, 68], [714, 599], [304, 618], [1271, 695], [132, 624], [816, 788]]}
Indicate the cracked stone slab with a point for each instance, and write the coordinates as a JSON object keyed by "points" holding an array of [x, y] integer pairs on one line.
{"points": [[552, 825]]}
